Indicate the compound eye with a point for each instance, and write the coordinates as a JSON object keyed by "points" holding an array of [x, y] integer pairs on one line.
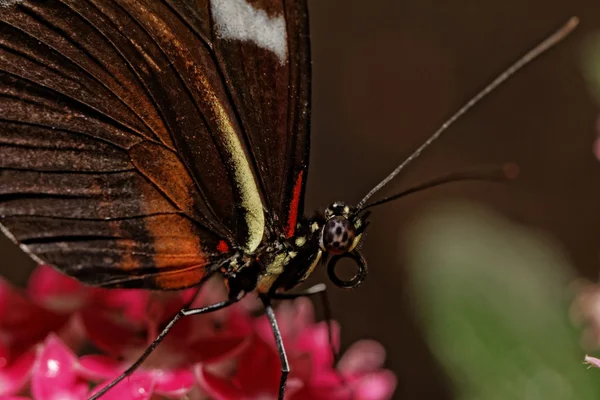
{"points": [[338, 235]]}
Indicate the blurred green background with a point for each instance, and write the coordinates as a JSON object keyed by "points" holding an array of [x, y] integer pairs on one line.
{"points": [[493, 299], [386, 75]]}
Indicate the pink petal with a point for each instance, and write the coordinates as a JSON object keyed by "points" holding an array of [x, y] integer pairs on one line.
{"points": [[99, 368], [315, 341], [14, 376], [5, 293], [175, 383], [251, 303], [302, 366], [257, 373], [593, 361], [15, 398], [169, 303], [259, 368], [140, 307], [223, 388], [233, 320], [24, 323], [334, 392], [131, 304], [217, 387], [293, 386], [4, 355], [211, 292], [238, 321], [375, 386], [108, 335], [117, 320], [54, 376], [327, 379], [293, 317], [136, 387], [216, 349], [56, 291], [300, 334], [329, 386], [362, 357]]}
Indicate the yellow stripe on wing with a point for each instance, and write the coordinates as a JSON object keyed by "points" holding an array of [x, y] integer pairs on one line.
{"points": [[244, 180]]}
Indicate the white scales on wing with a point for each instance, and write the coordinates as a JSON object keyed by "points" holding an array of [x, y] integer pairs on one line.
{"points": [[236, 19]]}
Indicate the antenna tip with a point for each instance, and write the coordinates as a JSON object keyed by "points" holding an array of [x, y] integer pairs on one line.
{"points": [[511, 171], [572, 22]]}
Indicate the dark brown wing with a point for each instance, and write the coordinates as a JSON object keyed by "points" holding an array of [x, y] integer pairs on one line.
{"points": [[121, 158], [263, 49]]}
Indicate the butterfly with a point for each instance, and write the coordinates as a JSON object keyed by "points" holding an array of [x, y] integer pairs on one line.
{"points": [[152, 144]]}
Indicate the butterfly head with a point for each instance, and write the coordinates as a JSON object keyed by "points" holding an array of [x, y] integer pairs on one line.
{"points": [[339, 237]]}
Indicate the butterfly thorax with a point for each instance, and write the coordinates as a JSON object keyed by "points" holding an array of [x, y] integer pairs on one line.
{"points": [[283, 263]]}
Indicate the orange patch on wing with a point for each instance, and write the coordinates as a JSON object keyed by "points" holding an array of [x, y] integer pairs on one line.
{"points": [[177, 248], [181, 279], [294, 205], [165, 251], [169, 174], [178, 251], [127, 262]]}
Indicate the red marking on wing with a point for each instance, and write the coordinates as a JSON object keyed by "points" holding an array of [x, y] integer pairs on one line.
{"points": [[294, 205], [223, 247]]}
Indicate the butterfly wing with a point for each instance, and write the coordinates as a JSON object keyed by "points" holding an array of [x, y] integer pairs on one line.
{"points": [[121, 159], [263, 50], [131, 133]]}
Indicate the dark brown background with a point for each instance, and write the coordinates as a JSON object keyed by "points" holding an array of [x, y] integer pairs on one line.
{"points": [[386, 75]]}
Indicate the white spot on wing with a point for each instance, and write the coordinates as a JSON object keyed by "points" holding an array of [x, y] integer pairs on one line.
{"points": [[236, 19]]}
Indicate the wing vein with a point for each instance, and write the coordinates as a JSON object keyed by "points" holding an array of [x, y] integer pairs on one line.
{"points": [[201, 189], [96, 62]]}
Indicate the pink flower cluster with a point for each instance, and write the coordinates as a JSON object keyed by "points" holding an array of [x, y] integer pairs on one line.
{"points": [[585, 313], [48, 331]]}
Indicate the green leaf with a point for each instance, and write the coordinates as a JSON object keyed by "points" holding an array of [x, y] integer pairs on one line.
{"points": [[493, 300]]}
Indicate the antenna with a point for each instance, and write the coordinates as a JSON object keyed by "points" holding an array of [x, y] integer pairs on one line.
{"points": [[507, 172], [531, 55]]}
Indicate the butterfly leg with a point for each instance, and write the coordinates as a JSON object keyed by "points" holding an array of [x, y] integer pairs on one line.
{"points": [[182, 313], [285, 366], [317, 290]]}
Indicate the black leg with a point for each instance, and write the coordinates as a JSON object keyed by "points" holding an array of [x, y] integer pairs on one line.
{"points": [[285, 366], [321, 290], [317, 290], [182, 313]]}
